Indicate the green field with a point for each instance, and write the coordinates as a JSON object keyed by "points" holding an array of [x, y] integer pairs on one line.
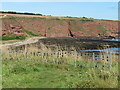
{"points": [[34, 74]]}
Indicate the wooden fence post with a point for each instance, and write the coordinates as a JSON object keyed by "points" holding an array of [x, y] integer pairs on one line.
{"points": [[93, 56], [57, 57], [110, 57]]}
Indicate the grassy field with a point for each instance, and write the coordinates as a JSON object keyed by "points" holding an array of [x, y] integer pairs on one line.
{"points": [[34, 74]]}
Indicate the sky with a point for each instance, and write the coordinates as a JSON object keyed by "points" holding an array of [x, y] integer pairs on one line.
{"points": [[99, 10]]}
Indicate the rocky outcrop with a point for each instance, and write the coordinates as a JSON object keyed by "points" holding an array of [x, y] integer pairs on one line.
{"points": [[4, 33], [13, 29]]}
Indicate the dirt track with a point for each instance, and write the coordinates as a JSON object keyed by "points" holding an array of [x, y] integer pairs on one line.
{"points": [[27, 41]]}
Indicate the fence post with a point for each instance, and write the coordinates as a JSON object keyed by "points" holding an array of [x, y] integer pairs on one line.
{"points": [[110, 56], [57, 57], [75, 59], [25, 53], [94, 59], [8, 53]]}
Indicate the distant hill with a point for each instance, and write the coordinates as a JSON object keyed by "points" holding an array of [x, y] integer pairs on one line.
{"points": [[28, 24]]}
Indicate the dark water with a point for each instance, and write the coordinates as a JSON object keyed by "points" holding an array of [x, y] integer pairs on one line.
{"points": [[111, 39], [112, 50], [96, 52]]}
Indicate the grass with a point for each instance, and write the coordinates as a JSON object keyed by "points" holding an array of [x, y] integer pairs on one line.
{"points": [[103, 30], [30, 33], [34, 74], [13, 37]]}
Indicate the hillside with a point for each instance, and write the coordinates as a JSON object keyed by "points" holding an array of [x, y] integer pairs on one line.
{"points": [[20, 26]]}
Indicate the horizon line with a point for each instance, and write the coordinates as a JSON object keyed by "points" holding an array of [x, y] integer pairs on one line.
{"points": [[22, 13]]}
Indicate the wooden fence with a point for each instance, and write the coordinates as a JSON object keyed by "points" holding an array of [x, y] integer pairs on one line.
{"points": [[58, 54]]}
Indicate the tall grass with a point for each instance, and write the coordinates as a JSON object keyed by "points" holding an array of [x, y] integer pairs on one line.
{"points": [[33, 73]]}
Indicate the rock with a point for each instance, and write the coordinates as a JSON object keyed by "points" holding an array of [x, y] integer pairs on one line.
{"points": [[17, 30]]}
